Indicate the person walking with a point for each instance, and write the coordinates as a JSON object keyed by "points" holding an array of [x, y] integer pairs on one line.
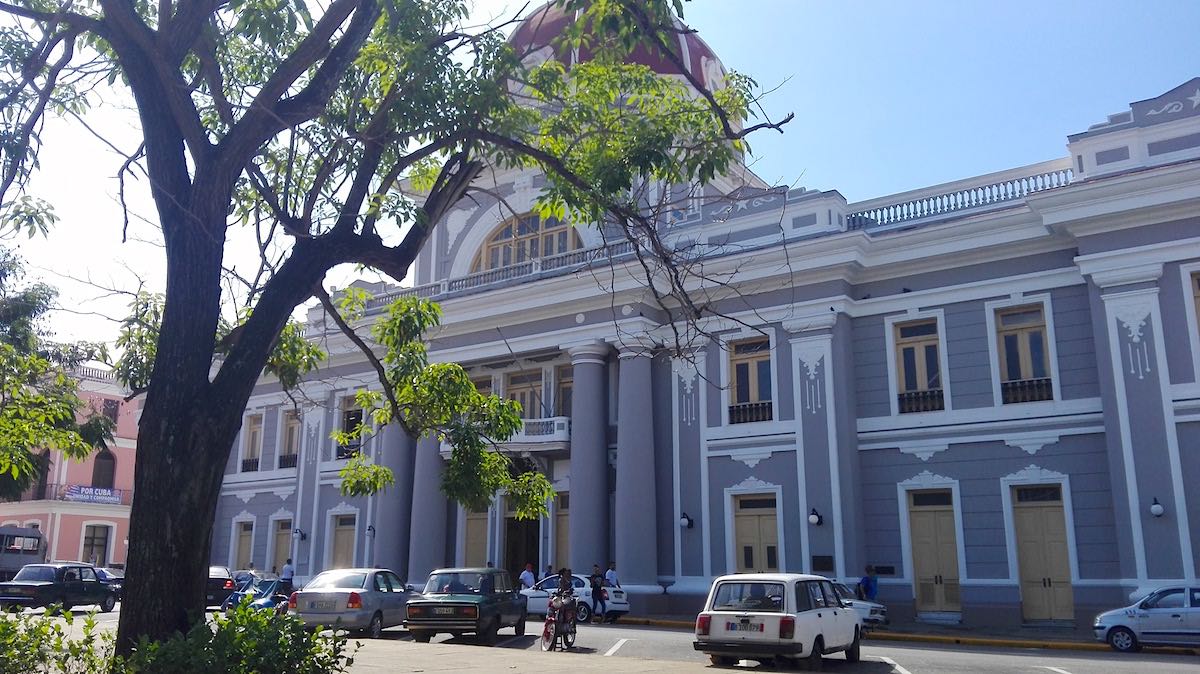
{"points": [[286, 575], [527, 577], [868, 585], [597, 582]]}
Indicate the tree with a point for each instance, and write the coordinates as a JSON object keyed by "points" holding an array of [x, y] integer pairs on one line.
{"points": [[39, 405], [302, 121]]}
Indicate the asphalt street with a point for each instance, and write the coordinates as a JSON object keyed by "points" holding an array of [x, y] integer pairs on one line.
{"points": [[620, 648]]}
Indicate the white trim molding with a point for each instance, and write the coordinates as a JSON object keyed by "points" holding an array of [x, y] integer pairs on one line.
{"points": [[927, 480], [108, 547], [753, 485], [1036, 475], [244, 516], [341, 508], [1016, 300], [889, 328]]}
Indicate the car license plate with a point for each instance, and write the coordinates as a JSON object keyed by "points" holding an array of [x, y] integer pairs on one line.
{"points": [[744, 627], [443, 610], [320, 605]]}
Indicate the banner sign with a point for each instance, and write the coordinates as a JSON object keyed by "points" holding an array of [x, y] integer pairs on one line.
{"points": [[77, 492]]}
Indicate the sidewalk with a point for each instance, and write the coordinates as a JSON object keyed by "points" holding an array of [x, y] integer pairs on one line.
{"points": [[393, 655]]}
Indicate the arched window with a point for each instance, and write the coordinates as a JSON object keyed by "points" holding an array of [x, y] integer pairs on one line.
{"points": [[43, 467], [523, 238], [103, 468]]}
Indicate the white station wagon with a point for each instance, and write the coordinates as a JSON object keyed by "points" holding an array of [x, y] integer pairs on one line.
{"points": [[781, 617]]}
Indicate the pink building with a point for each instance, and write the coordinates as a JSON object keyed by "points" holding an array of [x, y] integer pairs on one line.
{"points": [[82, 507]]}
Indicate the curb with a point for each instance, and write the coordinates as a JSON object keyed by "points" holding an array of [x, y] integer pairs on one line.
{"points": [[877, 635]]}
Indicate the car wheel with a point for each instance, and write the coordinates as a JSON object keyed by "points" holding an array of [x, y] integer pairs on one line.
{"points": [[814, 661], [854, 653], [548, 636], [1123, 639], [488, 634], [583, 613], [721, 661], [375, 627], [422, 637], [520, 626], [107, 604]]}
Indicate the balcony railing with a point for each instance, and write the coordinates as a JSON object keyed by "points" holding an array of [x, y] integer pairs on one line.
{"points": [[346, 451], [921, 401], [287, 460], [249, 465], [744, 413], [1027, 390], [962, 195], [79, 493], [550, 429]]}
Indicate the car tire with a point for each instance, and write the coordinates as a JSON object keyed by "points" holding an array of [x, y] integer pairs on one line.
{"points": [[375, 627], [422, 637], [520, 626], [583, 613], [814, 661], [1123, 639], [854, 652], [488, 634], [65, 605], [721, 661], [107, 604]]}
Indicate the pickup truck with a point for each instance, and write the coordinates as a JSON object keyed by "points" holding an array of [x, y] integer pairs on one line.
{"points": [[66, 583], [478, 601]]}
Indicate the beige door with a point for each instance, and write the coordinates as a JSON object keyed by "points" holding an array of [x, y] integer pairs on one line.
{"points": [[756, 533], [476, 543], [934, 550], [343, 541], [283, 544], [1042, 555], [245, 538], [562, 531]]}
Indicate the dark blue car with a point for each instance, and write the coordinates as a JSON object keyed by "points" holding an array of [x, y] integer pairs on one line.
{"points": [[262, 593]]}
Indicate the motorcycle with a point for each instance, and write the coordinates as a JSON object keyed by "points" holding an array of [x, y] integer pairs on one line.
{"points": [[560, 621]]}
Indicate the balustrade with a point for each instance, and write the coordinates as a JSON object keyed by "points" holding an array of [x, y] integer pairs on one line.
{"points": [[249, 465], [921, 401], [1027, 390], [287, 460], [745, 413]]}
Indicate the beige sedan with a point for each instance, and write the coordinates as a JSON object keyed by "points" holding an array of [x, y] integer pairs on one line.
{"points": [[369, 600]]}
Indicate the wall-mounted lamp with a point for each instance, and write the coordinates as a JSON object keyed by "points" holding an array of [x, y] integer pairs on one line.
{"points": [[815, 519], [685, 522], [299, 535], [371, 530], [1157, 508]]}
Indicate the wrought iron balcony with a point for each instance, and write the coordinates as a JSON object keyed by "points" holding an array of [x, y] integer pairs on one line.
{"points": [[931, 400], [249, 465], [78, 493], [287, 460], [744, 413], [1027, 390]]}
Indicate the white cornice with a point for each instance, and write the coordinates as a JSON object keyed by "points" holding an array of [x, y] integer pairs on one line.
{"points": [[1120, 202]]}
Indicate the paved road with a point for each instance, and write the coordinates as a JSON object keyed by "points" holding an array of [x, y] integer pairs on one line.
{"points": [[608, 648]]}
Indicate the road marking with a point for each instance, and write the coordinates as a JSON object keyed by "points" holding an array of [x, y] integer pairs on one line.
{"points": [[620, 643], [895, 666], [1056, 670]]}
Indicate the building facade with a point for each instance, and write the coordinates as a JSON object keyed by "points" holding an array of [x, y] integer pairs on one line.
{"points": [[82, 507], [987, 389]]}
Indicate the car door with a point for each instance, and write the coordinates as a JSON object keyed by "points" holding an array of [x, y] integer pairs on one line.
{"points": [[843, 618], [381, 596], [1161, 616], [1191, 618], [399, 598], [539, 596], [819, 617], [72, 585], [92, 589]]}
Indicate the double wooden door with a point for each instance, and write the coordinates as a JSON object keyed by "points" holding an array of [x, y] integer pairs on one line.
{"points": [[934, 550], [756, 533], [1042, 553]]}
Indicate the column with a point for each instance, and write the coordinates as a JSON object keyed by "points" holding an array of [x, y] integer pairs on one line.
{"points": [[587, 535], [636, 521], [393, 506], [427, 535]]}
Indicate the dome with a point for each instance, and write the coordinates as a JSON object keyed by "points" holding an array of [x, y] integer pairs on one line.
{"points": [[536, 40]]}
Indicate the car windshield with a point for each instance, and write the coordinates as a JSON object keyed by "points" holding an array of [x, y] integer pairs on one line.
{"points": [[260, 587], [748, 596], [35, 573], [335, 580], [454, 583], [218, 572], [112, 573], [844, 592]]}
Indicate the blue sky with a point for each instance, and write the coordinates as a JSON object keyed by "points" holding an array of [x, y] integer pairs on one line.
{"points": [[900, 95]]}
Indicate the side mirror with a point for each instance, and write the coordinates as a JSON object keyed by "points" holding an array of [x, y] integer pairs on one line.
{"points": [[409, 588]]}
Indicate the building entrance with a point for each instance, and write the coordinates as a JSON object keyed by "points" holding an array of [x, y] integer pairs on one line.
{"points": [[757, 533], [934, 550], [476, 539], [520, 545], [1042, 556]]}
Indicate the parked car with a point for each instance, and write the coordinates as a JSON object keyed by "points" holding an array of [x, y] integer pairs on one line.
{"points": [[220, 585], [538, 598], [479, 601], [66, 583], [1167, 617], [243, 576], [780, 617], [872, 613], [263, 593], [114, 578], [356, 599]]}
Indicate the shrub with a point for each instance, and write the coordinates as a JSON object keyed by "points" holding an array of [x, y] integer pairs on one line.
{"points": [[37, 644]]}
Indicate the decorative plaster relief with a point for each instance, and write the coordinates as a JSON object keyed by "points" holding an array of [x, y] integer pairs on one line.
{"points": [[456, 221], [924, 451], [811, 356], [685, 369], [926, 479], [579, 318], [1034, 473], [1032, 442], [1132, 316], [754, 483], [751, 459], [244, 496]]}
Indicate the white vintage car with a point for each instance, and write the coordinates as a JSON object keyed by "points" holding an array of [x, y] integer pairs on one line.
{"points": [[616, 605], [776, 617]]}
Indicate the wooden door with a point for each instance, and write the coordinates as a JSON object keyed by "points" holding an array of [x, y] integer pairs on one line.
{"points": [[756, 533], [476, 539], [245, 538], [283, 544], [934, 538], [343, 541], [1042, 553], [562, 530]]}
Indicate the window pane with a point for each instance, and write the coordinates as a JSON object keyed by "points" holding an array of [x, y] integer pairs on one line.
{"points": [[756, 503], [1030, 316], [1049, 493], [918, 329], [748, 556], [933, 378], [1012, 356], [742, 377], [1168, 599], [772, 558], [764, 379], [1037, 354], [909, 356], [932, 498]]}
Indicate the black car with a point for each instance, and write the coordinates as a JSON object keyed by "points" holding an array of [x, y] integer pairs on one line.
{"points": [[220, 585], [66, 583], [114, 578]]}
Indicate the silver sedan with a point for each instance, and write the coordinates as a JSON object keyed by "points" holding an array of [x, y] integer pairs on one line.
{"points": [[357, 599]]}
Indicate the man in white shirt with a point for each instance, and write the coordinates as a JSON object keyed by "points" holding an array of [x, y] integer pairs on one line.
{"points": [[610, 576], [527, 577], [286, 575]]}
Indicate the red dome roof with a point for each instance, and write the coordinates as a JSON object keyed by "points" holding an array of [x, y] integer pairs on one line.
{"points": [[538, 36]]}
